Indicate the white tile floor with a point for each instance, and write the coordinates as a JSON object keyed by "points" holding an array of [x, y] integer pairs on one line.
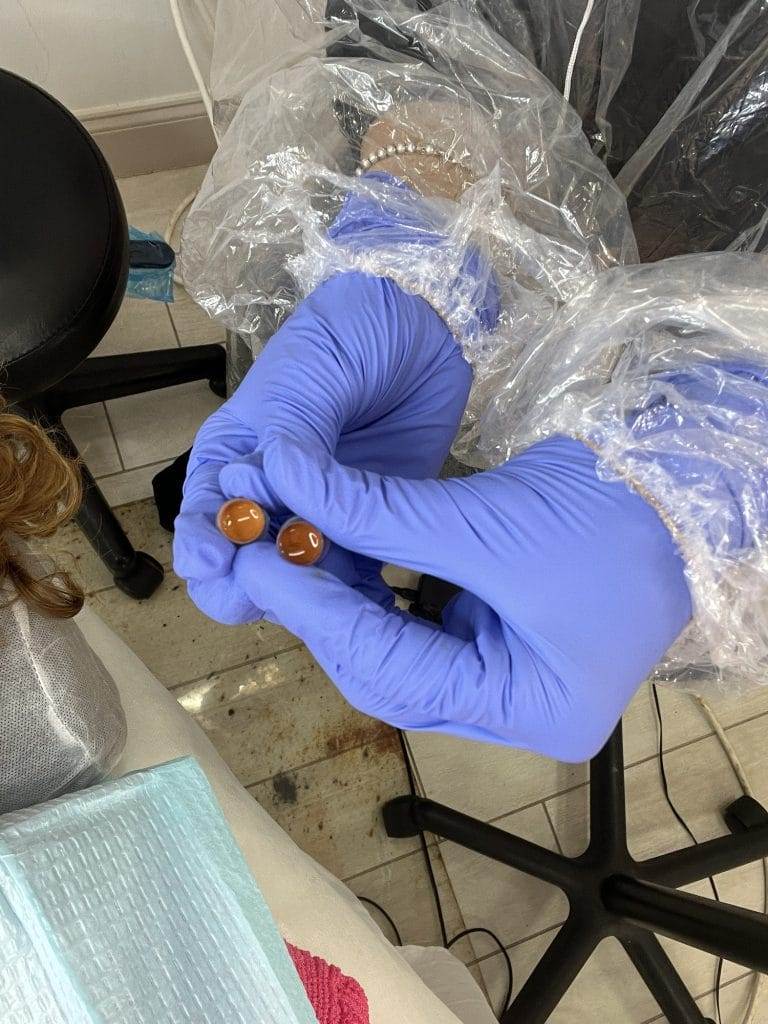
{"points": [[126, 441], [323, 770]]}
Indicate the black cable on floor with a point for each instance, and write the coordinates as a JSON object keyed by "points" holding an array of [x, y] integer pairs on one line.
{"points": [[684, 824], [385, 915], [436, 893], [504, 953], [423, 841]]}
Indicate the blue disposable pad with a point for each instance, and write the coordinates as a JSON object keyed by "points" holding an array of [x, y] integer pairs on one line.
{"points": [[130, 902]]}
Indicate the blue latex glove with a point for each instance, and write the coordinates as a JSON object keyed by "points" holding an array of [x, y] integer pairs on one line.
{"points": [[573, 590], [362, 370], [695, 430]]}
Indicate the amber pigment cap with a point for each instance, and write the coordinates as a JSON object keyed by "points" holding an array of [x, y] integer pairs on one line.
{"points": [[300, 542], [242, 520]]}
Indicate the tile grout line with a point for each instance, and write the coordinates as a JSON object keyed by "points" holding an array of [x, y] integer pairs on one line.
{"points": [[114, 437], [231, 668], [317, 760], [518, 942], [552, 828], [447, 873], [173, 323], [385, 864], [144, 465]]}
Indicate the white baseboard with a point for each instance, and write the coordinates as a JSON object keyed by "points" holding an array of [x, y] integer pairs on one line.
{"points": [[155, 135]]}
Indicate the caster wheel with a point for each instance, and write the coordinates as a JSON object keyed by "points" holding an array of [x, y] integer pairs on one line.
{"points": [[218, 386], [142, 578], [399, 819], [744, 814]]}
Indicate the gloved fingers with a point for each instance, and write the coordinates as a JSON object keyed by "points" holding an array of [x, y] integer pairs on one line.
{"points": [[244, 477], [200, 550], [371, 583], [202, 492], [387, 664], [415, 523], [224, 436], [223, 601], [340, 563]]}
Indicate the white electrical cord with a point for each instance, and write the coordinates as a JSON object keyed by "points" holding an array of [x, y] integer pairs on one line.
{"points": [[174, 219], [575, 50], [194, 67], [738, 768]]}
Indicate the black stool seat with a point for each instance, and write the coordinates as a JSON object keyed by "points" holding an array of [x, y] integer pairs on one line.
{"points": [[64, 264], [63, 240]]}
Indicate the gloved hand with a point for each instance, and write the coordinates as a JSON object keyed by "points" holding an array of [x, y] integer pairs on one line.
{"points": [[361, 369], [573, 590]]}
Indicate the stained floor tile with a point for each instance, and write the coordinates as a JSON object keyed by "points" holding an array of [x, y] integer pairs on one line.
{"points": [[176, 641], [280, 711], [332, 809]]}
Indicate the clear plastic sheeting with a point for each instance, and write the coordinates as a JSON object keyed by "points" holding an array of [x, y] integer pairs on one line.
{"points": [[698, 182], [544, 32], [660, 368], [674, 91], [61, 721], [663, 370], [539, 211]]}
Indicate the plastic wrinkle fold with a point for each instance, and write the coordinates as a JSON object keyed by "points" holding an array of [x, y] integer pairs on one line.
{"points": [[532, 262]]}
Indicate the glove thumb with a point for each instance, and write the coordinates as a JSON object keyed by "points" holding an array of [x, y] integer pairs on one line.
{"points": [[384, 517]]}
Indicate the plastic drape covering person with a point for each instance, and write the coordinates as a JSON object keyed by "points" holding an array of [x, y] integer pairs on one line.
{"points": [[675, 90], [635, 518], [61, 723], [537, 202]]}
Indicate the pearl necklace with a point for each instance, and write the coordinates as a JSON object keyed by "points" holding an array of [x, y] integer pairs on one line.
{"points": [[402, 148]]}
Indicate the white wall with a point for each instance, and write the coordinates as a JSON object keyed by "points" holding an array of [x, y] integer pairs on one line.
{"points": [[95, 53]]}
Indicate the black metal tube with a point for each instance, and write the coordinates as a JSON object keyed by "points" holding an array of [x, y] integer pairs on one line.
{"points": [[659, 974], [607, 811], [94, 517], [711, 858], [553, 975], [497, 844], [718, 928], [103, 377]]}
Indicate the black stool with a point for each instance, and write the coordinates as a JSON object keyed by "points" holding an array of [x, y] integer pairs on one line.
{"points": [[63, 272], [611, 894]]}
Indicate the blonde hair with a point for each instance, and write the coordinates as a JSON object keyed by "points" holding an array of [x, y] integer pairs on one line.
{"points": [[40, 489]]}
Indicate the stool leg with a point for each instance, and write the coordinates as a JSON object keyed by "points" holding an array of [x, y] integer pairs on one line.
{"points": [[663, 981], [607, 811], [553, 975], [136, 573], [104, 377]]}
